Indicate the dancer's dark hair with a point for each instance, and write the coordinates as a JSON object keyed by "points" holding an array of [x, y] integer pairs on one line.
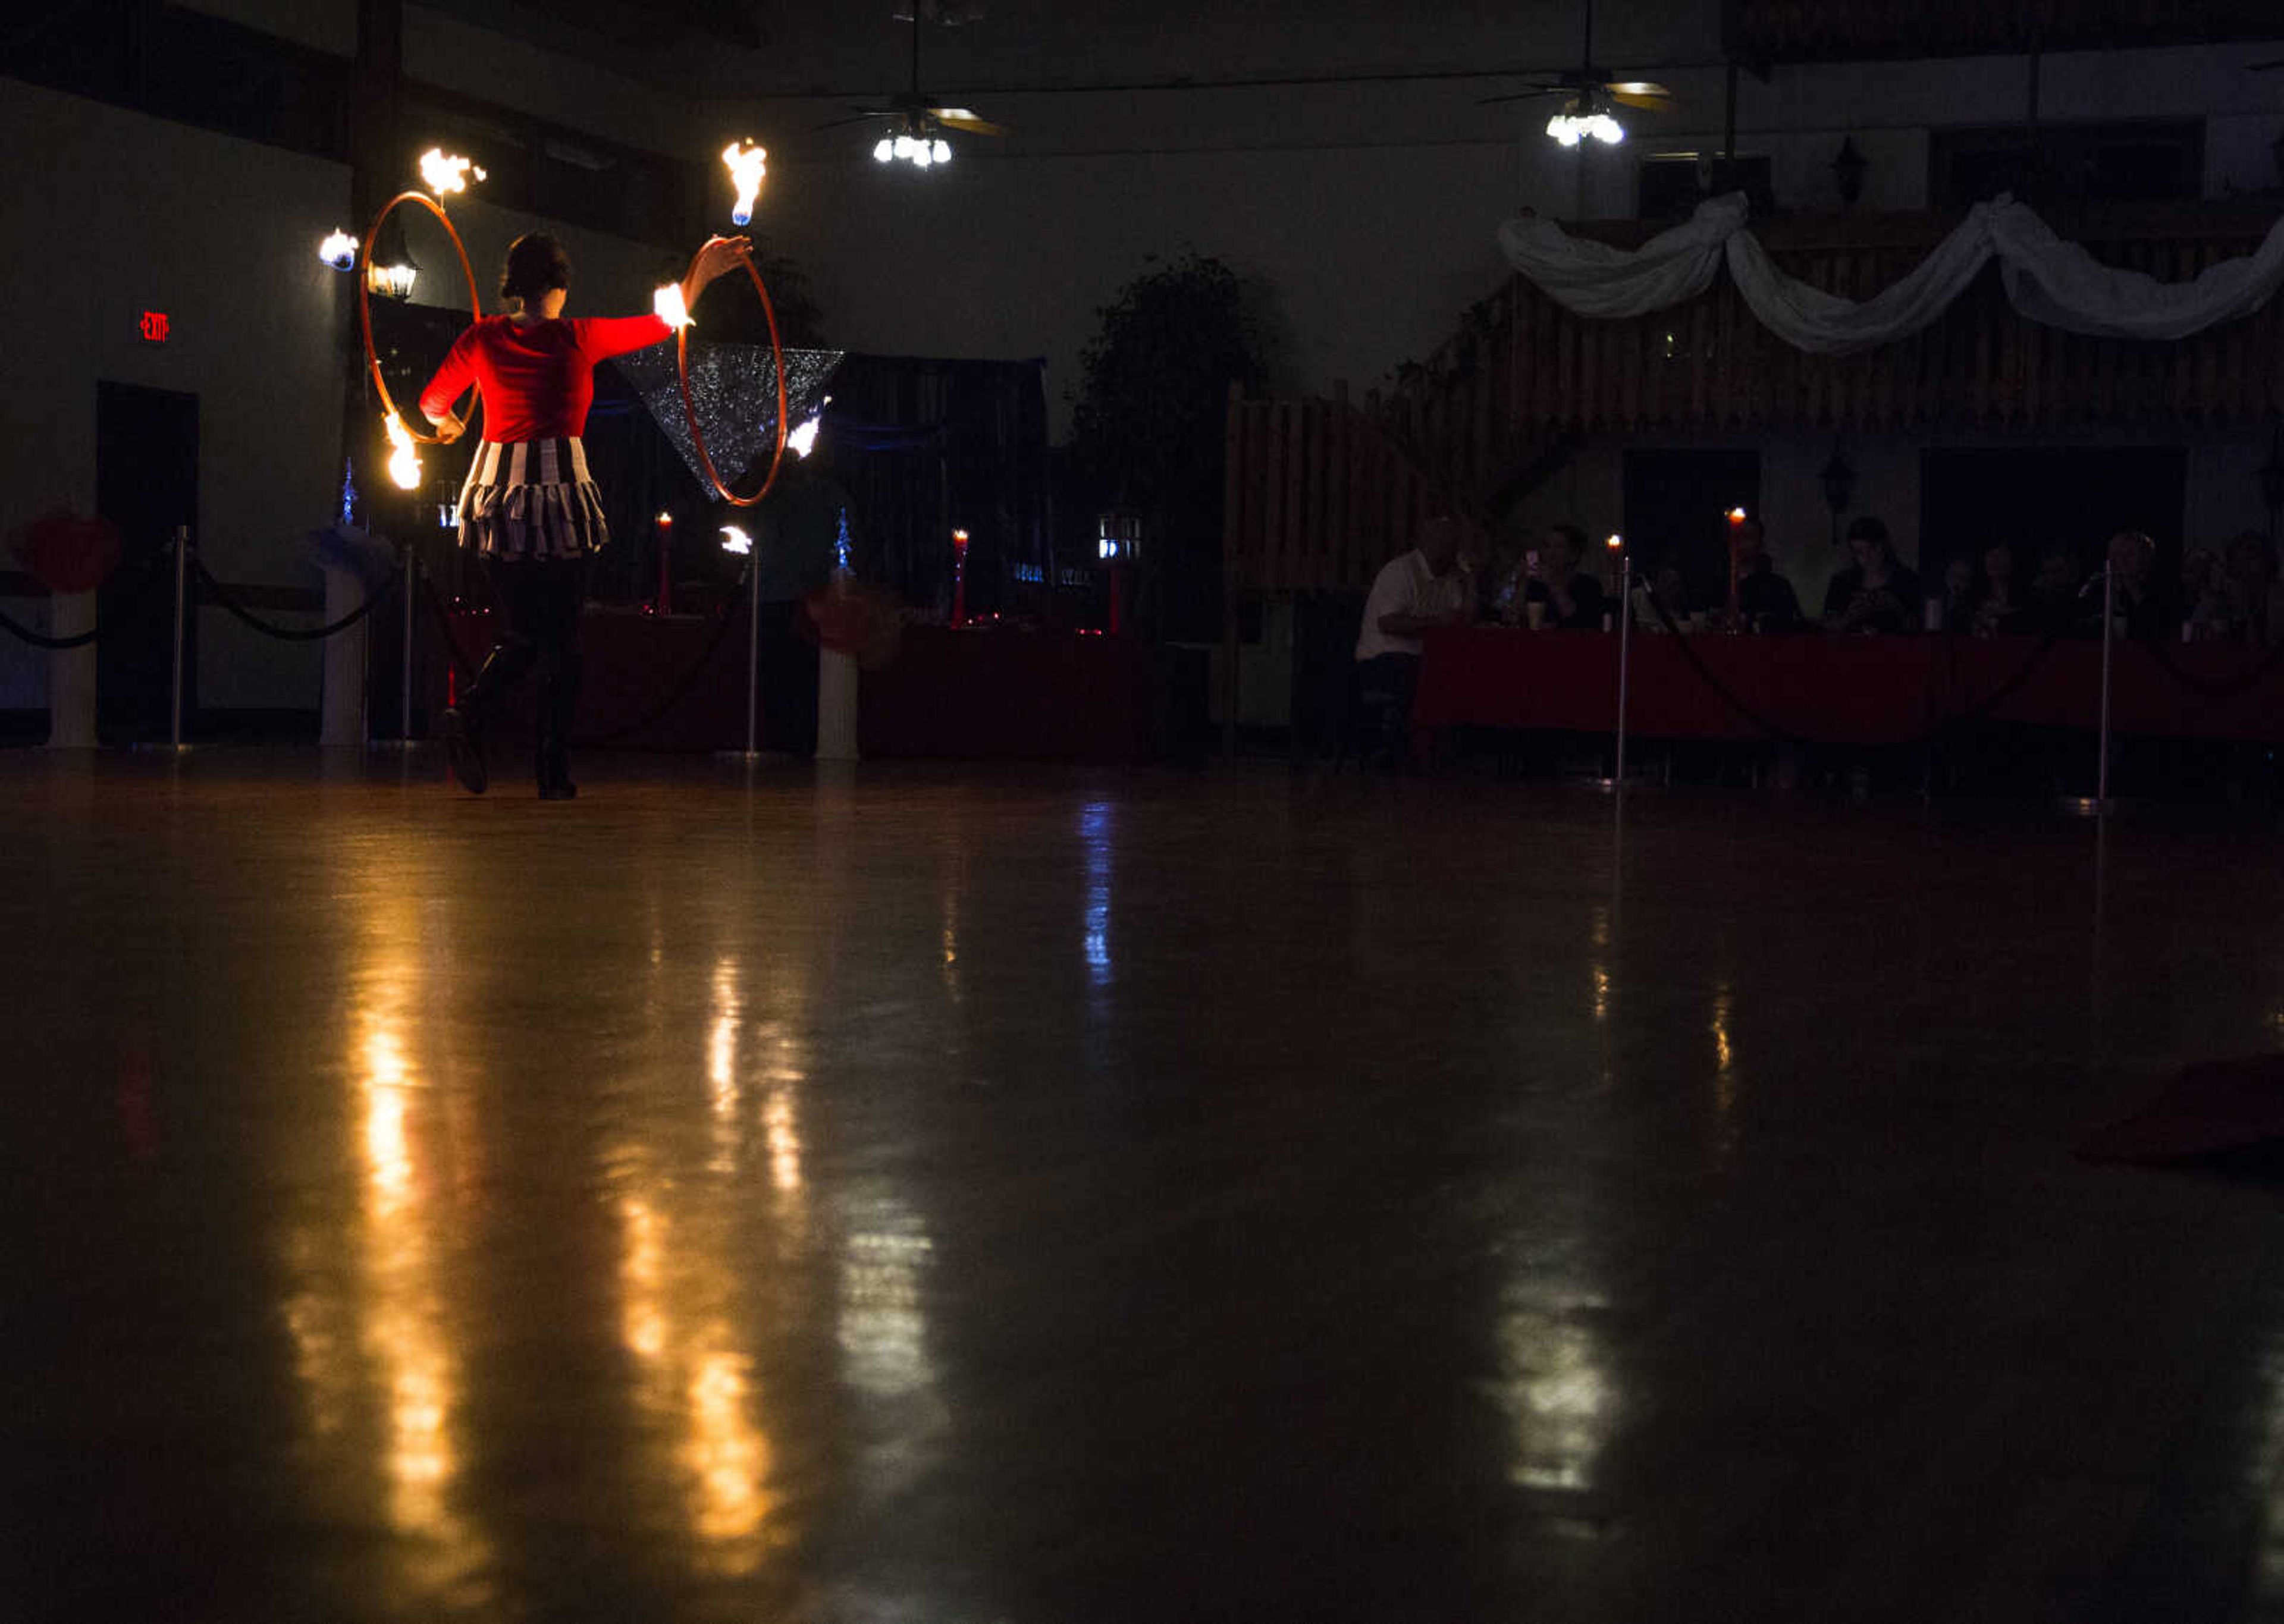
{"points": [[536, 264]]}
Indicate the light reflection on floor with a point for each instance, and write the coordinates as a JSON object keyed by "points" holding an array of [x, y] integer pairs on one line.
{"points": [[966, 1198]]}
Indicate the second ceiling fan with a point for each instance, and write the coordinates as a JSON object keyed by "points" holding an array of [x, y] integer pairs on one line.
{"points": [[1588, 95], [916, 124]]}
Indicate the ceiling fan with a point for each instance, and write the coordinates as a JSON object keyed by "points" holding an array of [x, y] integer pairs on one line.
{"points": [[1589, 94], [916, 124]]}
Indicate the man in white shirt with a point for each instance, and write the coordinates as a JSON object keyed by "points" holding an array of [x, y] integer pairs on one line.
{"points": [[1424, 587]]}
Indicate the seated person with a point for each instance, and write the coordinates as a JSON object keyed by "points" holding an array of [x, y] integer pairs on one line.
{"points": [[1422, 588], [1498, 584], [1574, 599], [1999, 611], [1765, 600], [1668, 591], [2143, 599], [2055, 609], [2250, 601], [1954, 610], [2201, 598], [1877, 593]]}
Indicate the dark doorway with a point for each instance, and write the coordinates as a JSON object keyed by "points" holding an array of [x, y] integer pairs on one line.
{"points": [[2040, 501], [147, 482], [1677, 507]]}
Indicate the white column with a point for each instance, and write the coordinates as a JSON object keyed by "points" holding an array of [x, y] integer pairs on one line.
{"points": [[343, 706], [836, 705], [71, 674]]}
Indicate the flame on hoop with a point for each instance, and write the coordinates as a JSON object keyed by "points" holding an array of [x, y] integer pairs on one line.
{"points": [[404, 456], [748, 166], [339, 251], [666, 304], [444, 173], [735, 540], [803, 440]]}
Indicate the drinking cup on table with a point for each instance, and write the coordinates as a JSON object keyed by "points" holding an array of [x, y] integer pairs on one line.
{"points": [[1533, 615]]}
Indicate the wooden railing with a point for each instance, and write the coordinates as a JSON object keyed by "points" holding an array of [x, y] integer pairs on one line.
{"points": [[1317, 496], [1522, 368]]}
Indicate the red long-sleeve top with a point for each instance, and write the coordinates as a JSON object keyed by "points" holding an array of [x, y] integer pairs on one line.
{"points": [[538, 381]]}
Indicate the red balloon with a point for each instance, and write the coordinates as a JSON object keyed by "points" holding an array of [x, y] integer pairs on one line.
{"points": [[853, 618], [66, 552]]}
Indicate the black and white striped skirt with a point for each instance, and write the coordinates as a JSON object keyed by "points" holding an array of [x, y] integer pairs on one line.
{"points": [[531, 499]]}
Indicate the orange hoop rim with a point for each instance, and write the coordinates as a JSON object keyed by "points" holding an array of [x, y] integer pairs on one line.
{"points": [[690, 409], [364, 297]]}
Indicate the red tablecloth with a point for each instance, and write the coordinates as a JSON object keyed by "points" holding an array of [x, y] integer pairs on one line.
{"points": [[632, 661], [1003, 694], [1866, 691], [1007, 694]]}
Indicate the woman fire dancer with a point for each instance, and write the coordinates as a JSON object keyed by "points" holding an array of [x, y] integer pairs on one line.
{"points": [[529, 510]]}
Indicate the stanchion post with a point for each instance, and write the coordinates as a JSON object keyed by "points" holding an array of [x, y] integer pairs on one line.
{"points": [[753, 665], [2108, 635], [1626, 647], [411, 594], [182, 621]]}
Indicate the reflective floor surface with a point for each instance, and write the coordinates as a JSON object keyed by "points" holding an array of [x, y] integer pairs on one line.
{"points": [[997, 1197]]}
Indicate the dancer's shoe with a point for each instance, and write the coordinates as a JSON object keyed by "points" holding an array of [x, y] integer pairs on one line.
{"points": [[555, 784], [464, 749]]}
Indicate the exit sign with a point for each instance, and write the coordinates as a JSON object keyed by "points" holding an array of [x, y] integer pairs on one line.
{"points": [[155, 326]]}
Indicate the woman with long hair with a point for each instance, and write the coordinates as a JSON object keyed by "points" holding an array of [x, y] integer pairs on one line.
{"points": [[528, 511]]}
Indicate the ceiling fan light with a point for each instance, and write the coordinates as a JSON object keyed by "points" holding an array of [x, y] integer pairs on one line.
{"points": [[884, 150], [1564, 128], [1606, 130], [943, 151]]}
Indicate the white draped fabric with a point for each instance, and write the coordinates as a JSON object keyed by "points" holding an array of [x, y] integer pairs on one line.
{"points": [[1596, 279], [2047, 280]]}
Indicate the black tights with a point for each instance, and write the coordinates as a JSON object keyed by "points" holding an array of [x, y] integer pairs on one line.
{"points": [[541, 599]]}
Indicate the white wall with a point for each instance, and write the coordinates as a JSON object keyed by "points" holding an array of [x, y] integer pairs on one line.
{"points": [[1372, 207], [126, 214]]}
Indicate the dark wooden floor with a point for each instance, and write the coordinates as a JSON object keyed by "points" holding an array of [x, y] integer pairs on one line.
{"points": [[1034, 1197]]}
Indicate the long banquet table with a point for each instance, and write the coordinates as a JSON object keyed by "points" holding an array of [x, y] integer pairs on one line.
{"points": [[980, 694], [1833, 690]]}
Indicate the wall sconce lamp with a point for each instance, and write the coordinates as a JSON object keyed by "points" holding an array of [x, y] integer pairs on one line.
{"points": [[1848, 167], [1839, 481]]}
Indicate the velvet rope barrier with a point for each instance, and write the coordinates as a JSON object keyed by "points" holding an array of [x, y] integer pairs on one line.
{"points": [[690, 409], [39, 640], [364, 297], [220, 593]]}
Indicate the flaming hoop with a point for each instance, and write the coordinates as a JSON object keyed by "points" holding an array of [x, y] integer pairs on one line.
{"points": [[690, 409], [364, 299]]}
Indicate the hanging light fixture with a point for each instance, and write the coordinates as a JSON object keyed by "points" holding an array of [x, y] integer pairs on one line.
{"points": [[1584, 117], [915, 146], [392, 271]]}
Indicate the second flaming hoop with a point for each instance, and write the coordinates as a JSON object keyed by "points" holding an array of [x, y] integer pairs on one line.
{"points": [[364, 298], [690, 409]]}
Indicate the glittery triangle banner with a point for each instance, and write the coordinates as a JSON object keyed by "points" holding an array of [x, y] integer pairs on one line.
{"points": [[734, 387]]}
